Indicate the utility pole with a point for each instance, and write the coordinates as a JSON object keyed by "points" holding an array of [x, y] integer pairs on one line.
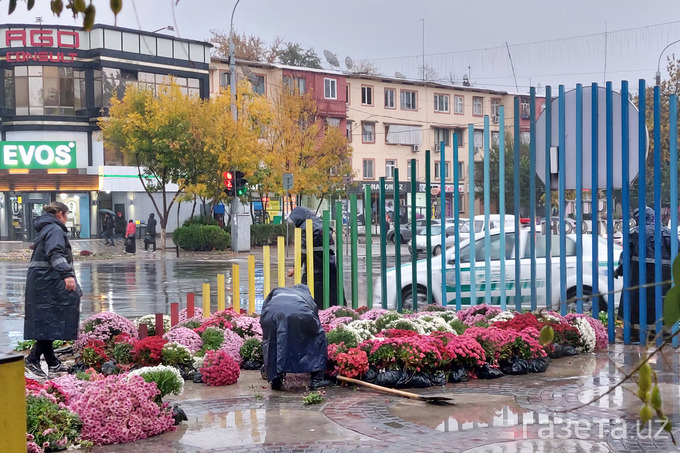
{"points": [[232, 90]]}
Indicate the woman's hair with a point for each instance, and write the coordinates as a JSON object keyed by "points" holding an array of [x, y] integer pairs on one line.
{"points": [[54, 207], [131, 221]]}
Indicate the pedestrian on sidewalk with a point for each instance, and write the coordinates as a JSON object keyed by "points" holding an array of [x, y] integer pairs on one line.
{"points": [[130, 242], [52, 301], [108, 229], [150, 237], [120, 226]]}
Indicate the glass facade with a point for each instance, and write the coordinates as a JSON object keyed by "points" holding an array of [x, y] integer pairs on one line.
{"points": [[45, 90]]}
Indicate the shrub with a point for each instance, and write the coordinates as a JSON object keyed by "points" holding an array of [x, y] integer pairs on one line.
{"points": [[219, 368], [149, 350], [50, 425], [252, 350], [175, 354], [196, 237], [216, 238], [167, 379], [266, 233], [212, 339], [200, 220]]}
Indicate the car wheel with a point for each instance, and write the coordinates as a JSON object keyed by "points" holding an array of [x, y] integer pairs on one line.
{"points": [[437, 250], [404, 240], [587, 303], [407, 297]]}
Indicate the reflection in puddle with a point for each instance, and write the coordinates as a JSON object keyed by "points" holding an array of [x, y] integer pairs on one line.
{"points": [[544, 446]]}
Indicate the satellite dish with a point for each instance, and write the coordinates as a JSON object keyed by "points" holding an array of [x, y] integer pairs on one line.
{"points": [[399, 75], [349, 63], [250, 76], [332, 59]]}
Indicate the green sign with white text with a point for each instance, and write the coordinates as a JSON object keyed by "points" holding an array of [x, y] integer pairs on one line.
{"points": [[37, 155]]}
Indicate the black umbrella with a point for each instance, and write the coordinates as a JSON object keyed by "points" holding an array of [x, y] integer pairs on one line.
{"points": [[107, 211]]}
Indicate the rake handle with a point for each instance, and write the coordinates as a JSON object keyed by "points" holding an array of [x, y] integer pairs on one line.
{"points": [[413, 396]]}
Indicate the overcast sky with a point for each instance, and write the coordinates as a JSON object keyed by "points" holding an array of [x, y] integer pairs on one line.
{"points": [[550, 42]]}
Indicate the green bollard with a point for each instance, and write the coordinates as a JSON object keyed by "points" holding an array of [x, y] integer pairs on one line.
{"points": [[397, 238], [338, 251], [326, 260], [428, 224], [383, 246], [354, 242], [414, 252], [368, 217]]}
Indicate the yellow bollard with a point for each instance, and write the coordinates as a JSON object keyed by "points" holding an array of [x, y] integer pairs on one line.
{"points": [[12, 403], [221, 298], [298, 257], [251, 284], [281, 263], [235, 289], [266, 268], [206, 300], [310, 256]]}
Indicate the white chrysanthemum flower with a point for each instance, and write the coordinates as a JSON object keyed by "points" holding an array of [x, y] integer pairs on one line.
{"points": [[161, 369], [502, 316], [431, 324], [197, 362], [406, 324], [150, 320], [587, 334], [363, 328]]}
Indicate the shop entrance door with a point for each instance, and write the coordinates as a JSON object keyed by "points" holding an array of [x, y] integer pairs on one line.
{"points": [[33, 204]]}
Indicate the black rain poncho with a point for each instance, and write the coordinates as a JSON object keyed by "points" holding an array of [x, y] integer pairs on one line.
{"points": [[646, 254], [293, 339], [52, 312], [299, 217]]}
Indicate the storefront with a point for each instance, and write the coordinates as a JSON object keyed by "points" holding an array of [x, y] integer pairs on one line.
{"points": [[56, 84]]}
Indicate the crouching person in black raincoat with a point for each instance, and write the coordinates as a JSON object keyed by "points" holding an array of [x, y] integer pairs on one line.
{"points": [[644, 253], [52, 292], [299, 217], [293, 339]]}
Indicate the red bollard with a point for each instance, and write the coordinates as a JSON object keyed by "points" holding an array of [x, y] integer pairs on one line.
{"points": [[190, 305], [143, 331], [159, 325], [174, 313]]}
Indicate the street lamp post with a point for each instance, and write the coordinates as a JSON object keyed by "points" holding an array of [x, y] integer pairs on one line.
{"points": [[658, 65], [232, 92]]}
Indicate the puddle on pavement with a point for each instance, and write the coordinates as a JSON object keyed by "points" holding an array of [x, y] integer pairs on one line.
{"points": [[256, 426], [544, 446]]}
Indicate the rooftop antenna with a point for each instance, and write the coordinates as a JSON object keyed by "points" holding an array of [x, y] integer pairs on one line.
{"points": [[39, 20], [512, 65], [349, 63], [399, 75], [331, 58], [423, 47], [250, 76], [466, 80]]}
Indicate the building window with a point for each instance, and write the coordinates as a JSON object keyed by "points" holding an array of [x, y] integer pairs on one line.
{"points": [[296, 85], [525, 138], [366, 95], [477, 109], [330, 88], [347, 93], [495, 138], [260, 85], [349, 131], [45, 90], [368, 168], [461, 137], [461, 168], [408, 169], [113, 155], [441, 103], [458, 104], [495, 110], [390, 166], [479, 138], [442, 135], [437, 169], [368, 132], [333, 122], [408, 100], [389, 98], [224, 80], [524, 109]]}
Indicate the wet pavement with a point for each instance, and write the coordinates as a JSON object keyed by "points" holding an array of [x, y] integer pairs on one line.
{"points": [[530, 413]]}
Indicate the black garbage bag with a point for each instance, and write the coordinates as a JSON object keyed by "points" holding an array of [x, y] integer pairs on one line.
{"points": [[371, 375], [514, 365], [178, 415], [486, 371], [252, 365], [414, 379], [560, 351], [539, 365], [388, 378], [437, 378], [108, 368], [198, 377], [458, 374], [186, 371], [293, 340]]}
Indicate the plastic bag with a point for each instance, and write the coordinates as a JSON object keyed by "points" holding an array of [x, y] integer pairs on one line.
{"points": [[458, 374], [416, 379], [252, 365], [539, 365], [515, 365], [560, 351], [438, 378], [371, 375], [486, 371], [388, 378]]}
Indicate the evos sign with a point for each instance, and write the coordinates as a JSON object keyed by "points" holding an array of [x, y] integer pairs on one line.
{"points": [[37, 155]]}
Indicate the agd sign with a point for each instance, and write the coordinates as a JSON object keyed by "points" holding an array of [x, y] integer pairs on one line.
{"points": [[37, 155]]}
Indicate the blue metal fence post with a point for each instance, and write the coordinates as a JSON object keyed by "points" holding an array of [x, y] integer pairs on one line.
{"points": [[515, 171], [658, 321], [456, 210], [487, 211], [579, 198], [674, 185], [414, 250], [610, 210], [594, 224], [625, 208], [428, 224], [383, 246], [548, 197], [442, 215], [501, 197], [561, 178], [471, 204], [642, 188], [532, 192], [397, 239]]}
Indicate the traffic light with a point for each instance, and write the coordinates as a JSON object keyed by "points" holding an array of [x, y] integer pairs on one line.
{"points": [[228, 183], [240, 183]]}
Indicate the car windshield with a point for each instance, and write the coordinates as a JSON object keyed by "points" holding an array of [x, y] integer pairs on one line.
{"points": [[435, 230]]}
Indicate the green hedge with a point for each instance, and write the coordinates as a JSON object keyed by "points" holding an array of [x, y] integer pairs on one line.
{"points": [[267, 233], [197, 237]]}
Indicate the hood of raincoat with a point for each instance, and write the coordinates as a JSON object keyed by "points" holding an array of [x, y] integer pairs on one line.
{"points": [[47, 219], [300, 215], [649, 216]]}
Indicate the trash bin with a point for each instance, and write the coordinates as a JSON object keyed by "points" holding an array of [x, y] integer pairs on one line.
{"points": [[277, 220]]}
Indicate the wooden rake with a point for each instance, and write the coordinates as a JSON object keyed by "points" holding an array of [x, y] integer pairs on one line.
{"points": [[431, 399]]}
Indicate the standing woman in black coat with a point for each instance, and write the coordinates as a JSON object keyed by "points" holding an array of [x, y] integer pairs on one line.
{"points": [[52, 292]]}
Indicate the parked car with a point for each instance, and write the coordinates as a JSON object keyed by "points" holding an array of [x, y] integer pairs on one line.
{"points": [[435, 234], [406, 230], [407, 286]]}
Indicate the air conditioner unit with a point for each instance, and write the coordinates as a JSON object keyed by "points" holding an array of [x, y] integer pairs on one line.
{"points": [[437, 147], [416, 148], [495, 118]]}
